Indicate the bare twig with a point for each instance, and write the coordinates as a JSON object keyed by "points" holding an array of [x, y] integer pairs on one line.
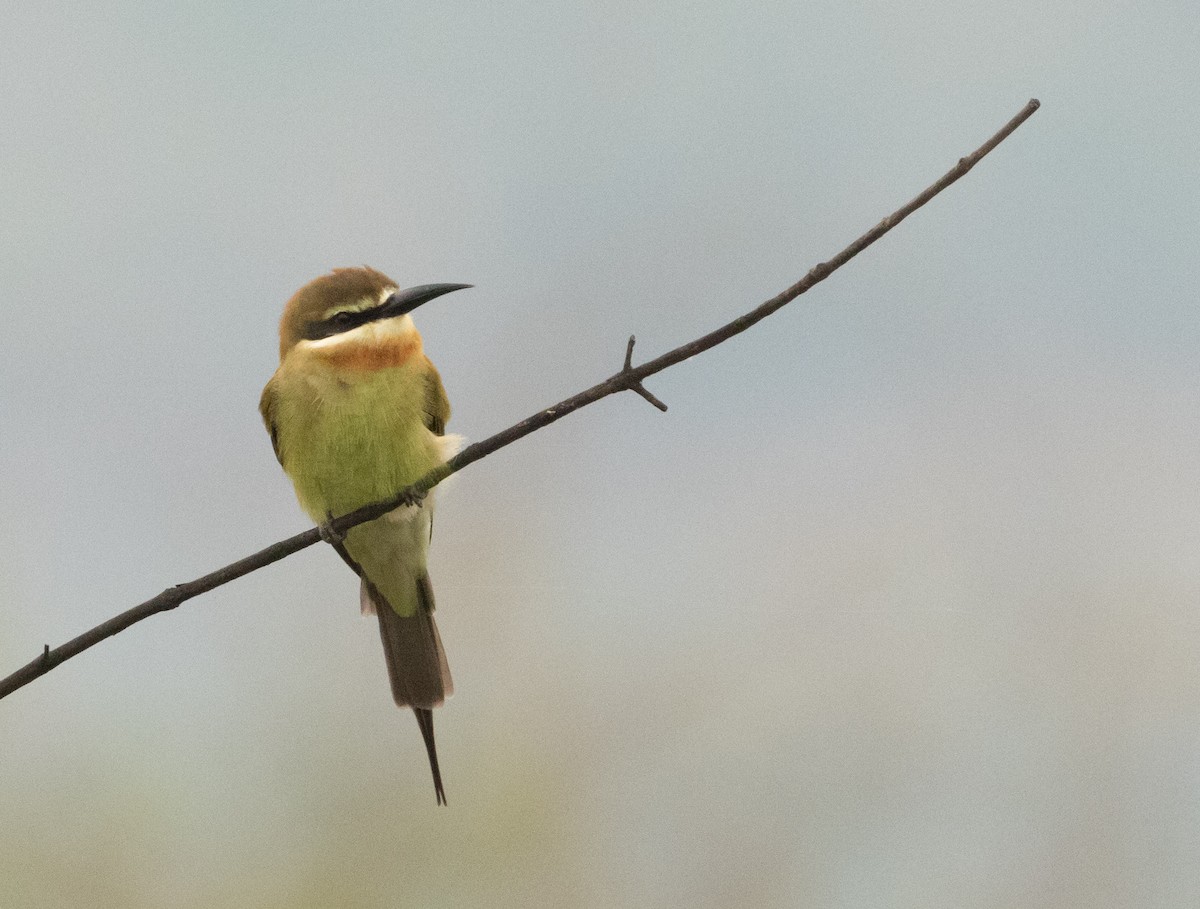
{"points": [[634, 383], [629, 378]]}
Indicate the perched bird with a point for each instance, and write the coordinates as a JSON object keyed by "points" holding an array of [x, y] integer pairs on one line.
{"points": [[356, 412]]}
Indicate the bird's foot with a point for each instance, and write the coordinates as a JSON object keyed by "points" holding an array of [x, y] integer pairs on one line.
{"points": [[328, 533], [412, 498]]}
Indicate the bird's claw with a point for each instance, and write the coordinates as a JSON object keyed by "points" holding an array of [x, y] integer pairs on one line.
{"points": [[328, 533], [412, 498]]}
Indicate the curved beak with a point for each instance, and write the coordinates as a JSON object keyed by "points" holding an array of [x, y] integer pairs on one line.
{"points": [[405, 301]]}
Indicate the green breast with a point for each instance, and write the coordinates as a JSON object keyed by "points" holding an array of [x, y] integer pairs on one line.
{"points": [[351, 439]]}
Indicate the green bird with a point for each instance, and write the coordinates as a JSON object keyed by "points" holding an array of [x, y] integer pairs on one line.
{"points": [[356, 412]]}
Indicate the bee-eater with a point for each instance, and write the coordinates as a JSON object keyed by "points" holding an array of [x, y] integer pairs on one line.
{"points": [[356, 412]]}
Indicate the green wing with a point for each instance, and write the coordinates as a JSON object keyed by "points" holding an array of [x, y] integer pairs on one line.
{"points": [[437, 405], [437, 411], [266, 407]]}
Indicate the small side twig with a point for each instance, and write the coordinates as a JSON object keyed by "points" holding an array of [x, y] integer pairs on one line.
{"points": [[628, 379], [634, 383]]}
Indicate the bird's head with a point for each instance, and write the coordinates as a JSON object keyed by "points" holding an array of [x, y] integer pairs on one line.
{"points": [[346, 300]]}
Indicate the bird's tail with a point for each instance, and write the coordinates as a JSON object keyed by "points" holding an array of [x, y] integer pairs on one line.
{"points": [[416, 662]]}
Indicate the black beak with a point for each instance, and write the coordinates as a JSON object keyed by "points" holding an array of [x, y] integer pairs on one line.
{"points": [[405, 301]]}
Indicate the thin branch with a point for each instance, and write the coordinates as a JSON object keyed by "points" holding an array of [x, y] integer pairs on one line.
{"points": [[629, 378]]}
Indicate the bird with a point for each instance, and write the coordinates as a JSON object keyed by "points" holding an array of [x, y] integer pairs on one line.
{"points": [[356, 412]]}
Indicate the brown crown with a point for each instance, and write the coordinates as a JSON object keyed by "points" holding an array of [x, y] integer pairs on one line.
{"points": [[342, 285]]}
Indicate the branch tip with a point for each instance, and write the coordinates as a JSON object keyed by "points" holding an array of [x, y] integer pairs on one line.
{"points": [[641, 389]]}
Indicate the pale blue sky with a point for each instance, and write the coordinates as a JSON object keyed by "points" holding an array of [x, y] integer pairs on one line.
{"points": [[895, 607]]}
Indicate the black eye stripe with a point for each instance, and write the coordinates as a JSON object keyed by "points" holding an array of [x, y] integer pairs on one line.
{"points": [[342, 321], [354, 317]]}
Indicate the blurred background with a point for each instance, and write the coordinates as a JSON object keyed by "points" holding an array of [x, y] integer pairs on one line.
{"points": [[895, 607]]}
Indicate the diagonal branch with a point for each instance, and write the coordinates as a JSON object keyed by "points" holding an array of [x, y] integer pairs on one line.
{"points": [[628, 379]]}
